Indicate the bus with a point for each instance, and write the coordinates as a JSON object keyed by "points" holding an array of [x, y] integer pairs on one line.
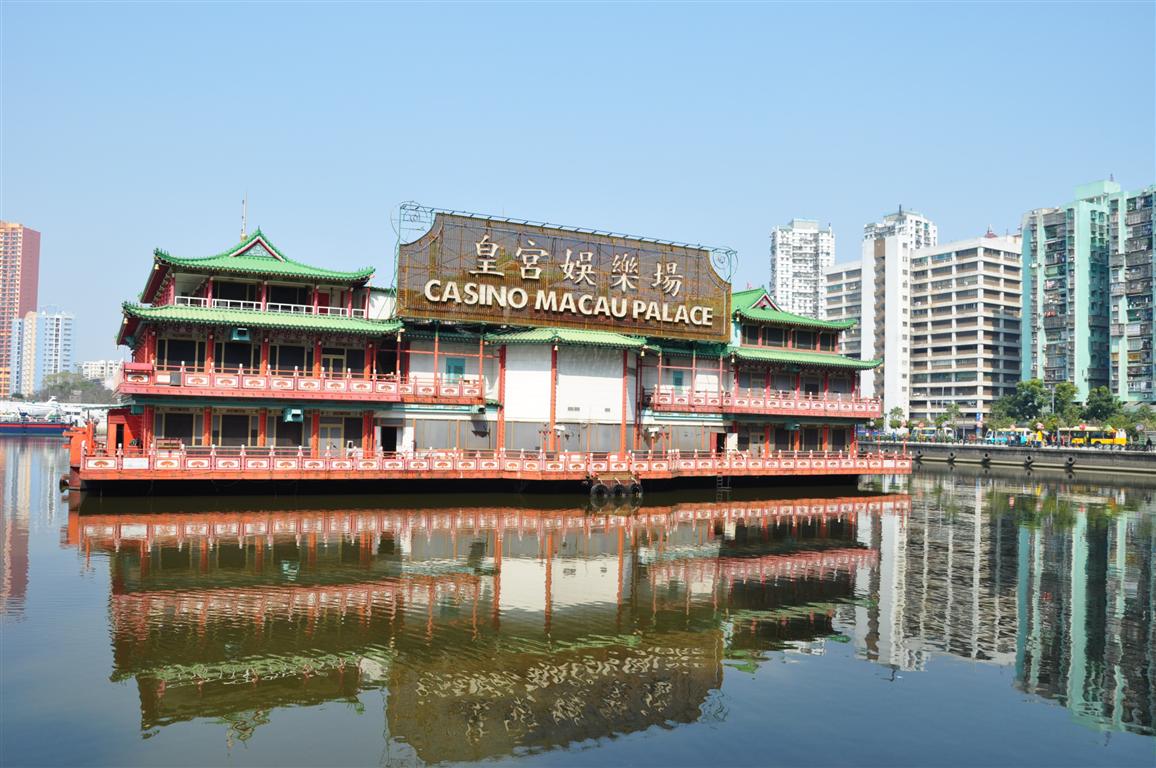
{"points": [[1100, 437], [1013, 436], [932, 434]]}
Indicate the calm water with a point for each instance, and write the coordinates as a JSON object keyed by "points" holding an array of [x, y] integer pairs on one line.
{"points": [[943, 619]]}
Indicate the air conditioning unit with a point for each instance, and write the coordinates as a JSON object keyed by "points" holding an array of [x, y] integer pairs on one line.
{"points": [[292, 415], [239, 334]]}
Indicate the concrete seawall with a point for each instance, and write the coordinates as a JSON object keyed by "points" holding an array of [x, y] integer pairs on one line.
{"points": [[1076, 460]]}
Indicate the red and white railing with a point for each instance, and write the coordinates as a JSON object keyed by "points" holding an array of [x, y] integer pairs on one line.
{"points": [[274, 463], [269, 306], [146, 379], [667, 398]]}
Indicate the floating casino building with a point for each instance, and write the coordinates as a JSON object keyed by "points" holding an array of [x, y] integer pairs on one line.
{"points": [[507, 350]]}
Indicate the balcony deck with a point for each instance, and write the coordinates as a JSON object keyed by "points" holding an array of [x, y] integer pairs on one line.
{"points": [[144, 379], [759, 401], [260, 464]]}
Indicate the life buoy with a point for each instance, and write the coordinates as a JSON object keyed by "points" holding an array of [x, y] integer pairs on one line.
{"points": [[620, 490], [951, 457], [599, 491], [986, 460], [636, 489]]}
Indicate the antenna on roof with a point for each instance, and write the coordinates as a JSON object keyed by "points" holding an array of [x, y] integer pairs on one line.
{"points": [[1111, 177], [244, 207]]}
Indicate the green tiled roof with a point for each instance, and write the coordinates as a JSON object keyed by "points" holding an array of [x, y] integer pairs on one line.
{"points": [[706, 349], [251, 319], [568, 336], [743, 304], [257, 256], [801, 357]]}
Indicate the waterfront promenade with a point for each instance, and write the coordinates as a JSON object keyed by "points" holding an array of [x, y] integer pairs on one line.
{"points": [[1065, 458]]}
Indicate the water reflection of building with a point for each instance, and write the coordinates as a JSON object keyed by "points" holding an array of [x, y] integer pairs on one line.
{"points": [[1057, 578], [491, 629], [24, 465]]}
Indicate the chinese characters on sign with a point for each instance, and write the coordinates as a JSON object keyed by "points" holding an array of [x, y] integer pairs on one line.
{"points": [[473, 269]]}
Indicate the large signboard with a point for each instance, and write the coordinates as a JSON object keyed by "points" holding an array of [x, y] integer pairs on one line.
{"points": [[473, 269]]}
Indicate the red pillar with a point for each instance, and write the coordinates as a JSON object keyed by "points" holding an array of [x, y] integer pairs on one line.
{"points": [[207, 427], [265, 356], [437, 335], [148, 419], [315, 434], [501, 400], [625, 371], [209, 291], [209, 350], [370, 353], [552, 438], [262, 424], [367, 431], [264, 295], [317, 358]]}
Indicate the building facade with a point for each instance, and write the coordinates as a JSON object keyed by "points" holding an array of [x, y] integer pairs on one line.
{"points": [[41, 345], [107, 372], [965, 327], [19, 279], [888, 247], [843, 302], [1132, 245], [291, 370], [1067, 302], [801, 252]]}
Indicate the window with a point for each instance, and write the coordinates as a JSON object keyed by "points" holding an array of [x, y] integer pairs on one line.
{"points": [[455, 368], [677, 378]]}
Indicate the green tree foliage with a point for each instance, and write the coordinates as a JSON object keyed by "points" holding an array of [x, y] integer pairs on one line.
{"points": [[1101, 406], [950, 415], [71, 387], [896, 418], [1030, 397], [1066, 411]]}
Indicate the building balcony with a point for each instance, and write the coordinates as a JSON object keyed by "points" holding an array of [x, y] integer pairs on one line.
{"points": [[146, 379], [256, 306], [762, 402], [264, 464]]}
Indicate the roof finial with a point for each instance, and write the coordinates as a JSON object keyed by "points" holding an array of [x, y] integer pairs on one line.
{"points": [[244, 207]]}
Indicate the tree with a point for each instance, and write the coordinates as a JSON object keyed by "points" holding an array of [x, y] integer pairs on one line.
{"points": [[950, 417], [896, 418], [1001, 413], [1029, 401], [1065, 409], [1101, 406], [877, 424], [71, 387]]}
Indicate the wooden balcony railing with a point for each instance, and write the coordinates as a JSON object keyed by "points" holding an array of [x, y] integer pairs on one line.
{"points": [[270, 306], [353, 464], [760, 401], [144, 379]]}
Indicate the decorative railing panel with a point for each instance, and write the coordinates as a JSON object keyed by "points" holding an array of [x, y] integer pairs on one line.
{"points": [[762, 402]]}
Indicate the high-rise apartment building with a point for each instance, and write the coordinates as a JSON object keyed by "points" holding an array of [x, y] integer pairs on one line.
{"points": [[843, 284], [41, 345], [800, 253], [965, 327], [1132, 262], [885, 333], [19, 277], [107, 372], [1067, 302]]}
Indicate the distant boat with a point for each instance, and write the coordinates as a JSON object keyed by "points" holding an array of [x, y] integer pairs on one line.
{"points": [[24, 427]]}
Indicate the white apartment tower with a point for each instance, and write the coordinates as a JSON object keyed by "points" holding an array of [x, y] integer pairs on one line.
{"points": [[844, 301], [800, 254], [888, 247], [965, 325], [41, 345]]}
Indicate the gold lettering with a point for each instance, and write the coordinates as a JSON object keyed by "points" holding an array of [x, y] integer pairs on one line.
{"points": [[430, 287]]}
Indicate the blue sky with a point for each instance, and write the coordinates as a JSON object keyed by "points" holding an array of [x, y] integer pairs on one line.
{"points": [[132, 126]]}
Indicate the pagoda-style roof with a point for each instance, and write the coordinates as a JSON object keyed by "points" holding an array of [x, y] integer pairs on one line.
{"points": [[572, 336], [254, 256], [757, 306], [135, 314], [801, 357]]}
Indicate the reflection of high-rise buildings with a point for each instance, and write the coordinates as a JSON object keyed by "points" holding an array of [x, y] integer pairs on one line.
{"points": [[492, 629], [24, 465], [945, 581], [1058, 581], [1086, 599]]}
